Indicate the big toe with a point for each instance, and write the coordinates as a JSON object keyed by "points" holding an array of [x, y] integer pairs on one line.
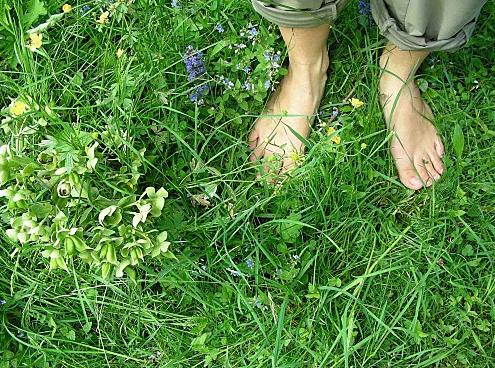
{"points": [[413, 177]]}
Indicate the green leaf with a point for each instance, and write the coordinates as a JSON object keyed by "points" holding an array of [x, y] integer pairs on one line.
{"points": [[33, 10], [291, 228], [87, 326], [458, 141], [41, 210], [467, 251], [219, 46]]}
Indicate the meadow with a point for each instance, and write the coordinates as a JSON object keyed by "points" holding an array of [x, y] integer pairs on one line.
{"points": [[134, 233]]}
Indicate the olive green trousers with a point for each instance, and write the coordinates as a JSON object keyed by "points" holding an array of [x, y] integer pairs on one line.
{"points": [[428, 25]]}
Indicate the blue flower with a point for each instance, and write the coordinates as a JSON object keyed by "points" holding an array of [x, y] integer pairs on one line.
{"points": [[335, 111], [364, 7], [267, 55], [253, 31], [247, 69], [219, 28], [249, 263], [85, 9], [194, 63], [267, 84], [175, 4], [248, 86], [198, 94]]}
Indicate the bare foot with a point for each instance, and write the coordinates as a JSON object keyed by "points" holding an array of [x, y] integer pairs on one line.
{"points": [[290, 109], [416, 147]]}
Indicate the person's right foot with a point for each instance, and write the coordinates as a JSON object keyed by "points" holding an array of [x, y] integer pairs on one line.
{"points": [[291, 107]]}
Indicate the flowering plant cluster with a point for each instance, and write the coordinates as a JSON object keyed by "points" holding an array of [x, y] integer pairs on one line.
{"points": [[68, 197], [247, 66], [241, 68]]}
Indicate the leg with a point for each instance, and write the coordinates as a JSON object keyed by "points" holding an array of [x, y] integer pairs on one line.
{"points": [[297, 98], [415, 28], [305, 25]]}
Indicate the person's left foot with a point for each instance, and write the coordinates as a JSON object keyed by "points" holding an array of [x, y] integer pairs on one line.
{"points": [[416, 147]]}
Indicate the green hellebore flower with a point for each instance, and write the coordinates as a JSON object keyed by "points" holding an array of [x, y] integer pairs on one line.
{"points": [[157, 199]]}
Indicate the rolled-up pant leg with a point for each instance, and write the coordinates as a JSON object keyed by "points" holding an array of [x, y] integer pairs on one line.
{"points": [[428, 25], [299, 13]]}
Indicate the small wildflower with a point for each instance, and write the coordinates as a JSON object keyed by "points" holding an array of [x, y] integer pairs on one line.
{"points": [[267, 55], [296, 257], [227, 82], [253, 32], [334, 137], [258, 303], [35, 41], [18, 108], [119, 53], [194, 63], [249, 263], [248, 86], [175, 4], [267, 84], [197, 95], [2, 302], [66, 8], [104, 17], [234, 273], [296, 157], [239, 47], [364, 7], [219, 28], [335, 112], [356, 102], [363, 146], [247, 69], [85, 9], [276, 57]]}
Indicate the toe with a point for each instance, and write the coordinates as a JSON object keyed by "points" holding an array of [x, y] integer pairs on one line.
{"points": [[423, 167], [407, 174], [410, 179], [253, 139], [287, 165], [437, 163], [430, 169], [439, 147], [258, 150]]}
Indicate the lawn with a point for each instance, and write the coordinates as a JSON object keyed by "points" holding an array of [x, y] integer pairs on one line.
{"points": [[133, 231]]}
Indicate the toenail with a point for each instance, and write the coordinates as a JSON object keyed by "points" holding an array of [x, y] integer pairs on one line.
{"points": [[415, 182]]}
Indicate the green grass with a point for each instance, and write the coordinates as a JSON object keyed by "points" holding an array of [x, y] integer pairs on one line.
{"points": [[350, 269]]}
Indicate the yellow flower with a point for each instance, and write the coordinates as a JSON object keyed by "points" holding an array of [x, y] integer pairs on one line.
{"points": [[18, 108], [104, 17], [363, 145], [356, 102], [66, 8], [120, 52], [35, 41], [334, 138], [296, 157]]}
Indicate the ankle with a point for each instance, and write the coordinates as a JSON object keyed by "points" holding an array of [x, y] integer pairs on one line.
{"points": [[313, 67]]}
